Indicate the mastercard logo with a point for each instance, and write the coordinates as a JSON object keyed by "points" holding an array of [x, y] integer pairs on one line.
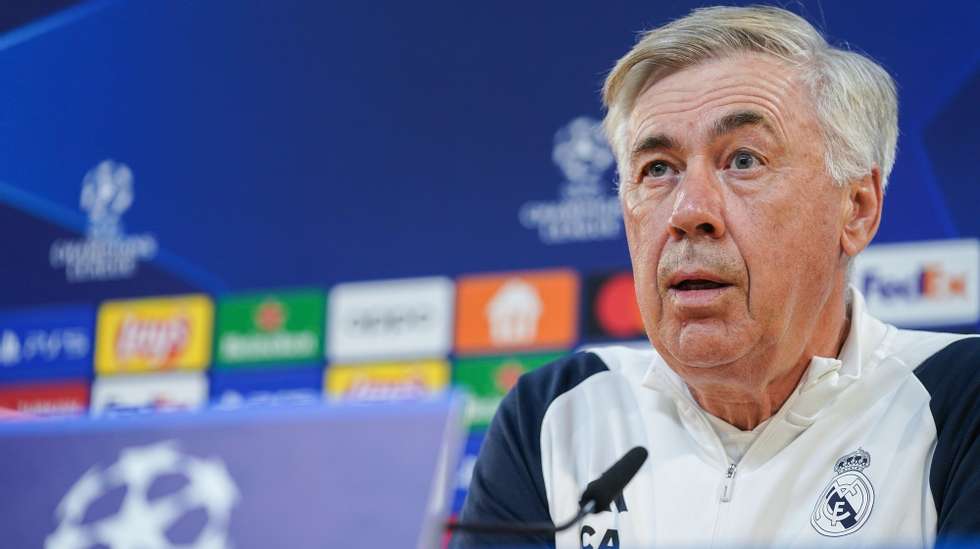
{"points": [[611, 311]]}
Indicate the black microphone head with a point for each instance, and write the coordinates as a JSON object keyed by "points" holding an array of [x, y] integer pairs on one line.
{"points": [[610, 484]]}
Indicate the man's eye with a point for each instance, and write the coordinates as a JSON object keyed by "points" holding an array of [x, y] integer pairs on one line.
{"points": [[744, 161], [657, 169]]}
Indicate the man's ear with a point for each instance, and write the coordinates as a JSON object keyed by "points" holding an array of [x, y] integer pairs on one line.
{"points": [[862, 212]]}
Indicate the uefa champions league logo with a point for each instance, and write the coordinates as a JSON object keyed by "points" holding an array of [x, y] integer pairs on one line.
{"points": [[586, 211], [107, 253], [144, 520], [584, 157], [107, 192]]}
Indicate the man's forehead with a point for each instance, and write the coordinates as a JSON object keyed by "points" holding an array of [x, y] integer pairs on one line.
{"points": [[701, 96]]}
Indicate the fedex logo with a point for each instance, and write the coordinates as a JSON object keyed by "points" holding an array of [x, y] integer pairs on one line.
{"points": [[921, 284], [931, 282]]}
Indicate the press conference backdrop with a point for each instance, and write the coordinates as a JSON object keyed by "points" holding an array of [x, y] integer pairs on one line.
{"points": [[241, 201]]}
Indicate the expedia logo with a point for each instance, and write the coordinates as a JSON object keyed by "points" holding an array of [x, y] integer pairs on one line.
{"points": [[152, 340], [389, 320]]}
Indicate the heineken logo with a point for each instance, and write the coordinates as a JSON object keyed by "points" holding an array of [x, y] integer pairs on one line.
{"points": [[270, 316], [284, 327], [507, 375]]}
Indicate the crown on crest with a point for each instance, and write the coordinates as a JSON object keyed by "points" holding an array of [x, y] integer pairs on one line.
{"points": [[855, 461]]}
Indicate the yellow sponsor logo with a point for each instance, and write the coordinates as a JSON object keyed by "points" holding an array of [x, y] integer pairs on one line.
{"points": [[148, 335], [387, 381]]}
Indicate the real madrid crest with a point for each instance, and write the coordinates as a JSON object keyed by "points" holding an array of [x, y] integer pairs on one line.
{"points": [[845, 504]]}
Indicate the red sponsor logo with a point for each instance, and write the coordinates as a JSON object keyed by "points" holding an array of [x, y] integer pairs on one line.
{"points": [[155, 340], [66, 397], [616, 309]]}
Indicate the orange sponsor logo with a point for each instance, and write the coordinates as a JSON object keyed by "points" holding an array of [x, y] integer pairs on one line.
{"points": [[525, 310]]}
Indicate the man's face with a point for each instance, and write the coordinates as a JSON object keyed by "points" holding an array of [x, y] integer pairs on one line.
{"points": [[734, 226]]}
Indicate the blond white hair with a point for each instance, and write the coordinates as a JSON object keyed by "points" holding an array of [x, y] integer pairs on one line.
{"points": [[854, 98]]}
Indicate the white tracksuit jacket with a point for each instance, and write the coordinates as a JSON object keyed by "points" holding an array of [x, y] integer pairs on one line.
{"points": [[878, 446]]}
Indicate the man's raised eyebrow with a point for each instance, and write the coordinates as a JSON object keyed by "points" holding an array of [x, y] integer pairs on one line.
{"points": [[653, 143], [738, 119]]}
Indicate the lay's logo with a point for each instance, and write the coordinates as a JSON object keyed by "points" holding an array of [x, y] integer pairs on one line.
{"points": [[921, 284], [152, 340], [387, 381], [145, 335]]}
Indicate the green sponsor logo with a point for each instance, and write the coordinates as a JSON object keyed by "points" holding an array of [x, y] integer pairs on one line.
{"points": [[273, 327], [487, 380]]}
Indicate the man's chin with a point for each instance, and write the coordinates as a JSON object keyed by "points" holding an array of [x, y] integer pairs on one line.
{"points": [[703, 346]]}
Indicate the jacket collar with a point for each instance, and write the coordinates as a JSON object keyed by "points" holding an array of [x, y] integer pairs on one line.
{"points": [[822, 383]]}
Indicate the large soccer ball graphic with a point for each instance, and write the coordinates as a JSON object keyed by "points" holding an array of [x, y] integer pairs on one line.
{"points": [[152, 497]]}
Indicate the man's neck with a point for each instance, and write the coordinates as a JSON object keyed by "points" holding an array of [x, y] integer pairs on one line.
{"points": [[745, 405]]}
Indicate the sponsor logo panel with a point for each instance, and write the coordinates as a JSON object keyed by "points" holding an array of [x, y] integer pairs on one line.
{"points": [[47, 342], [514, 311], [488, 379], [288, 384], [55, 398], [387, 381], [409, 318], [149, 392], [921, 284], [271, 327], [611, 311], [145, 335]]}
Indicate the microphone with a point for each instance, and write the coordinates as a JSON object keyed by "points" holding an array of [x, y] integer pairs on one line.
{"points": [[597, 497]]}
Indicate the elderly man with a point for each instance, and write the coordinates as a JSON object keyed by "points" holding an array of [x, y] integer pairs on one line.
{"points": [[753, 159]]}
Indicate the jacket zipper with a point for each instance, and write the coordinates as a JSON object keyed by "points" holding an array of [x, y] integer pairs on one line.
{"points": [[724, 496], [728, 483]]}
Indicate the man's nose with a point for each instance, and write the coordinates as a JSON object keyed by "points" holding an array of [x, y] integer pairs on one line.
{"points": [[698, 206]]}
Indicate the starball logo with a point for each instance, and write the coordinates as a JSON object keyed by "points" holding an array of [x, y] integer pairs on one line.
{"points": [[586, 210], [107, 252]]}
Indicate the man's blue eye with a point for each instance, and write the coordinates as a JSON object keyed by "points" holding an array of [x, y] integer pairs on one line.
{"points": [[658, 169], [743, 161]]}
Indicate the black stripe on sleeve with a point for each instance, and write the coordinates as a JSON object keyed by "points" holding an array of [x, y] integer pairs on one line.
{"points": [[952, 377], [508, 483]]}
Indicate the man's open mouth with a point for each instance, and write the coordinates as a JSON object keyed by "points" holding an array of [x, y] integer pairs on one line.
{"points": [[698, 284]]}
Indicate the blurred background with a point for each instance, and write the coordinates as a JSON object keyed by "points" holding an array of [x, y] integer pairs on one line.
{"points": [[231, 202]]}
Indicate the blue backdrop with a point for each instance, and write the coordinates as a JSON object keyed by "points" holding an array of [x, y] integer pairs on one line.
{"points": [[306, 143]]}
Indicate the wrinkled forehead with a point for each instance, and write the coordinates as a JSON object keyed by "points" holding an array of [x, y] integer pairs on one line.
{"points": [[695, 98]]}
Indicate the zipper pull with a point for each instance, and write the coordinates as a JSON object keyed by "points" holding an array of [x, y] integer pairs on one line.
{"points": [[728, 484]]}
